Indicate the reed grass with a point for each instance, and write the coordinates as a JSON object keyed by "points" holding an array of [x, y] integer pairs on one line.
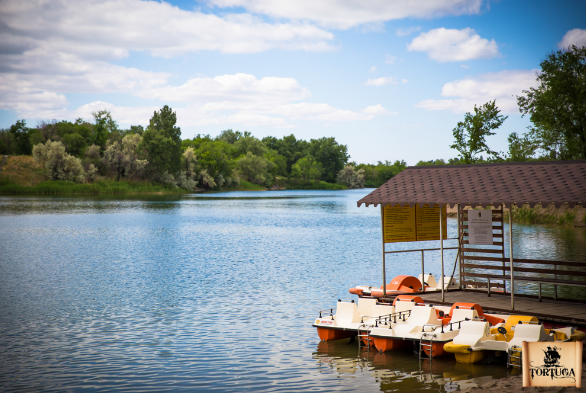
{"points": [[111, 187]]}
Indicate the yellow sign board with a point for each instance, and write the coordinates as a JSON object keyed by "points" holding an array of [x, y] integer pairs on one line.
{"points": [[409, 224], [399, 224], [428, 222]]}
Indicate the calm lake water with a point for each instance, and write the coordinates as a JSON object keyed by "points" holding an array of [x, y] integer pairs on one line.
{"points": [[208, 292]]}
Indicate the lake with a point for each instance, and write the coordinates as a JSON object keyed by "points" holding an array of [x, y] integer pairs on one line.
{"points": [[209, 292]]}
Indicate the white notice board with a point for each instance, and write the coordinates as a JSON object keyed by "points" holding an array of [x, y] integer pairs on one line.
{"points": [[480, 227]]}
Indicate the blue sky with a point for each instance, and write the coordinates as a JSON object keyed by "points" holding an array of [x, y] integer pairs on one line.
{"points": [[390, 79]]}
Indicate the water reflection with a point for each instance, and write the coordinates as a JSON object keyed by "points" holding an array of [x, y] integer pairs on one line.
{"points": [[402, 371]]}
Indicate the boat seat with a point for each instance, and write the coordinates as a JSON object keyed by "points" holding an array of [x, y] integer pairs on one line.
{"points": [[530, 333], [347, 313], [420, 315], [462, 314], [471, 332]]}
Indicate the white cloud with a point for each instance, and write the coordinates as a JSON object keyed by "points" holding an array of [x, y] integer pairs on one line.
{"points": [[464, 66], [110, 29], [373, 69], [388, 80], [404, 80], [48, 49], [501, 86], [343, 14], [454, 45], [573, 37], [401, 32], [232, 89], [377, 110], [225, 99], [390, 59]]}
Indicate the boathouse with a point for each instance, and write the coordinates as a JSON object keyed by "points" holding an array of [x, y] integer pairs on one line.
{"points": [[497, 187]]}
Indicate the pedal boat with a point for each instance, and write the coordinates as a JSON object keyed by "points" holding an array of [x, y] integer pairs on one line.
{"points": [[351, 318], [404, 284], [478, 340], [431, 326]]}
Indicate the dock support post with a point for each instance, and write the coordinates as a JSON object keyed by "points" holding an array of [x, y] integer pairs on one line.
{"points": [[511, 256], [442, 250], [422, 273], [382, 223], [555, 287]]}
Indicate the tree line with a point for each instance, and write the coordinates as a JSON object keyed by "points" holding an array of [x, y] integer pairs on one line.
{"points": [[81, 150]]}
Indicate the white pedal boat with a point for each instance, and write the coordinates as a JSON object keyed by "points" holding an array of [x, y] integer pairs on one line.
{"points": [[352, 317], [477, 340], [431, 326]]}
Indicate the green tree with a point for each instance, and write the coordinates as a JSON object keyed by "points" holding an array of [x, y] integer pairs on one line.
{"points": [[162, 142], [21, 136], [229, 136], [470, 135], [331, 155], [75, 144], [215, 158], [254, 168], [291, 148], [250, 144], [104, 126], [350, 177], [307, 167], [521, 148], [557, 106]]}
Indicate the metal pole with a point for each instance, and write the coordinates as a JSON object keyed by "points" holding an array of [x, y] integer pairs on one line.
{"points": [[422, 273], [460, 240], [511, 256], [442, 250], [382, 221]]}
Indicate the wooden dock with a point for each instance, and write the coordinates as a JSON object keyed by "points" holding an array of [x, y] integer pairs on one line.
{"points": [[547, 310]]}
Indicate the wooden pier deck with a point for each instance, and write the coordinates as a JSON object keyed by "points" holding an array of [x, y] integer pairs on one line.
{"points": [[546, 310]]}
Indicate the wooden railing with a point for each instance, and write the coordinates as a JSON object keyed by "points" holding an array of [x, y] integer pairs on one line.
{"points": [[491, 269]]}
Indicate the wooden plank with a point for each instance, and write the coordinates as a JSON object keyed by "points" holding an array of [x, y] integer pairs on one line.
{"points": [[477, 258], [494, 243], [526, 270], [482, 250], [492, 276], [543, 262], [551, 281], [488, 267], [483, 284], [495, 227], [497, 235]]}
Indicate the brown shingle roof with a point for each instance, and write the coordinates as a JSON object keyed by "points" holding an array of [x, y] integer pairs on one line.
{"points": [[486, 184]]}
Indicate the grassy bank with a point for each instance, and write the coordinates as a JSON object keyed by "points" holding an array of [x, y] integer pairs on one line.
{"points": [[298, 184], [58, 187]]}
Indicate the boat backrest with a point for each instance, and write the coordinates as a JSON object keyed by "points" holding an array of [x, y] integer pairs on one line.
{"points": [[462, 314], [404, 306], [530, 333], [423, 315], [471, 332], [366, 306], [347, 313], [383, 309], [428, 279]]}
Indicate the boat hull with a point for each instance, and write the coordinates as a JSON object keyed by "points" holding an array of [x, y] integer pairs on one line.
{"points": [[384, 344], [329, 334]]}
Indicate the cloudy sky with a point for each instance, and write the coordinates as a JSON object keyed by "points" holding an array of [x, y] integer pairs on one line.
{"points": [[390, 79]]}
